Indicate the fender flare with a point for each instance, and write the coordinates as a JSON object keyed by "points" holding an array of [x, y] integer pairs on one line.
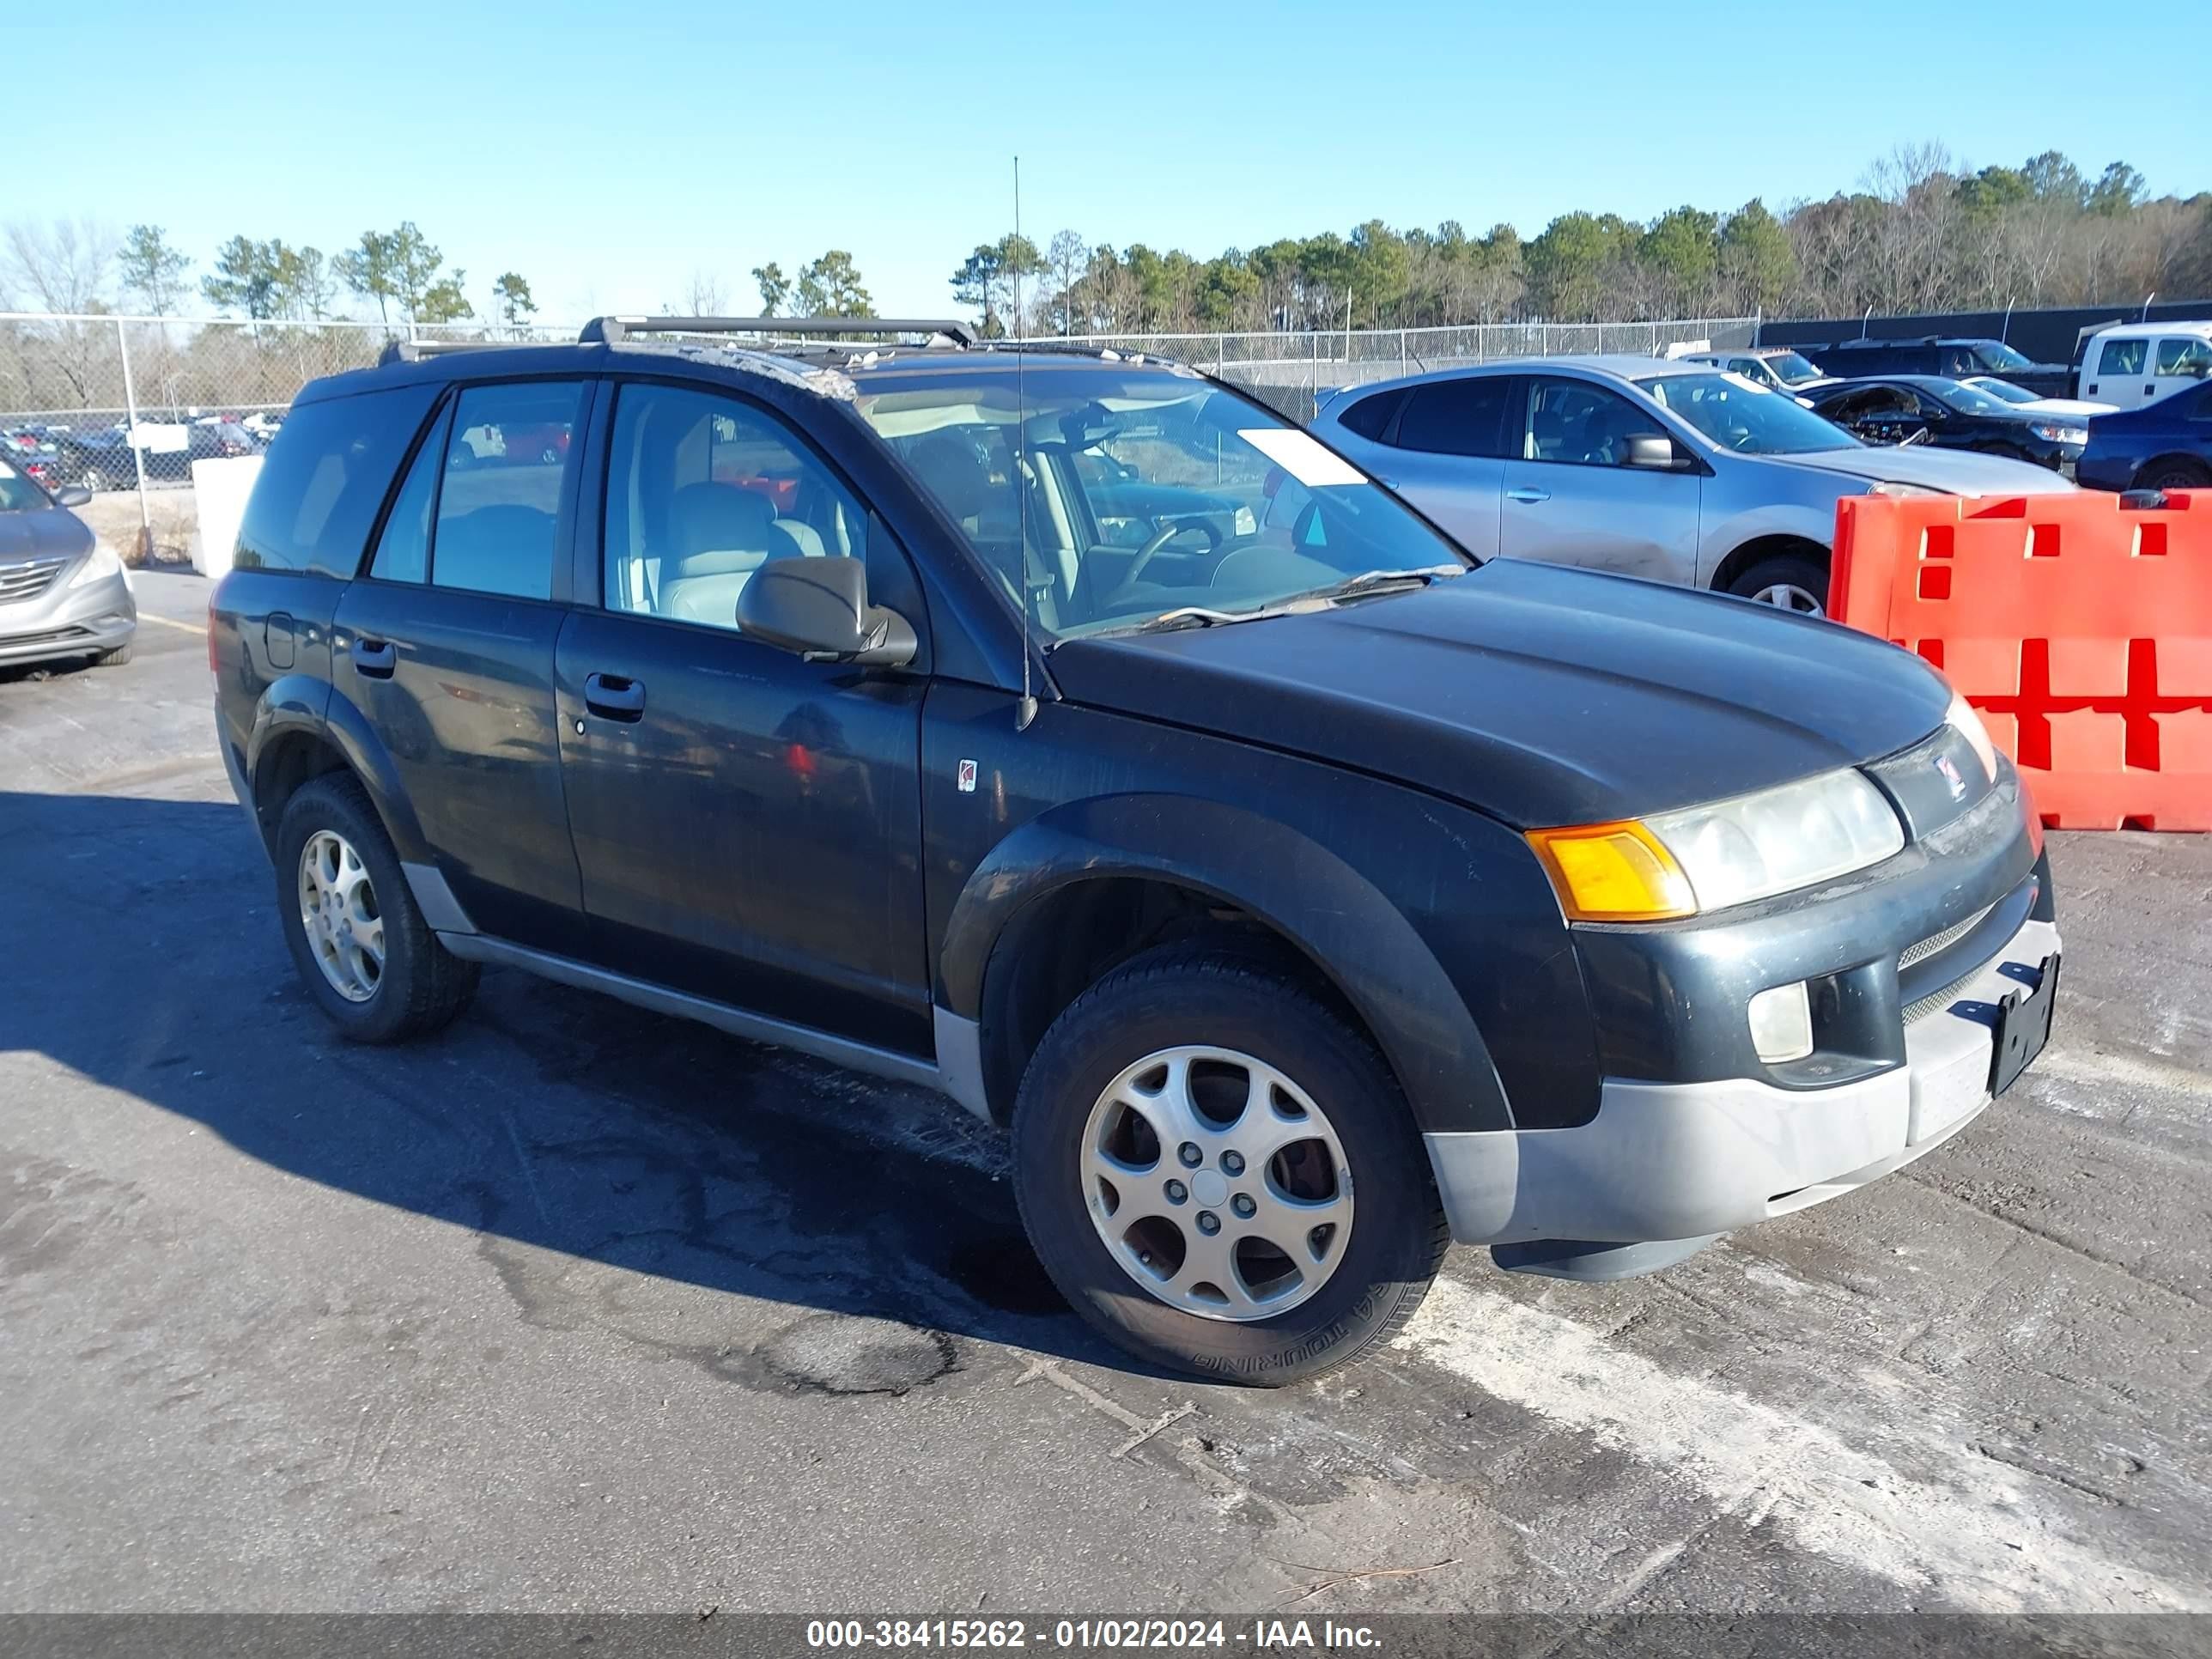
{"points": [[1308, 895], [298, 704]]}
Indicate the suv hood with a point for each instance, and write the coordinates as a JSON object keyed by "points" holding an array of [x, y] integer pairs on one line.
{"points": [[1959, 471], [43, 532], [1536, 695]]}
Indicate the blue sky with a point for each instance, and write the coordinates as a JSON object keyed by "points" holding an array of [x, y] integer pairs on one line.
{"points": [[608, 153]]}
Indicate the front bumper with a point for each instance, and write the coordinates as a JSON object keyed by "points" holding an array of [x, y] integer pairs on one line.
{"points": [[69, 622], [1683, 1161]]}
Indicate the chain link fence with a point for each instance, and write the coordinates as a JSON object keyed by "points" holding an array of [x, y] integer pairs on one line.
{"points": [[112, 402]]}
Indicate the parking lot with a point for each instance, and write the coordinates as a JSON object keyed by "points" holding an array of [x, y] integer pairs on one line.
{"points": [[576, 1307]]}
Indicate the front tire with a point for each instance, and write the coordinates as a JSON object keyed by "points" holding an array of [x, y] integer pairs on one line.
{"points": [[1306, 1228], [1788, 581], [367, 957], [114, 659]]}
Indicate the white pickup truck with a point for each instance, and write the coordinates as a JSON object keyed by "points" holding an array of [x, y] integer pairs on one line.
{"points": [[2128, 365]]}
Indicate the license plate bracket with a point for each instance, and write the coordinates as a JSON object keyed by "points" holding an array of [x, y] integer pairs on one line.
{"points": [[2023, 1027]]}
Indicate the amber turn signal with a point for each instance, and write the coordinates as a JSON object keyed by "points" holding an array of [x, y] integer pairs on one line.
{"points": [[1613, 872]]}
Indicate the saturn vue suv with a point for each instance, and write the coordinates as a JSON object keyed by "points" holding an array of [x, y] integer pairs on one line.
{"points": [[1301, 891]]}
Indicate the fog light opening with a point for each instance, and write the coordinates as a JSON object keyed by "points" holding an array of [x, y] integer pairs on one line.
{"points": [[1782, 1024]]}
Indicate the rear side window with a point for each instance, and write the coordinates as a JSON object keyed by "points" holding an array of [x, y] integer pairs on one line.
{"points": [[1457, 417], [1370, 417], [2122, 357], [499, 503], [324, 478], [402, 551]]}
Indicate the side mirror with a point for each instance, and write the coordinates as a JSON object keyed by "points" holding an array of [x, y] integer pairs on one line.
{"points": [[819, 609], [1655, 451], [75, 496]]}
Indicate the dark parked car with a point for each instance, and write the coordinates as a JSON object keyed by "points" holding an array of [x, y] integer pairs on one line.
{"points": [[101, 460], [1927, 409], [63, 590], [1953, 359], [2167, 445], [1301, 899]]}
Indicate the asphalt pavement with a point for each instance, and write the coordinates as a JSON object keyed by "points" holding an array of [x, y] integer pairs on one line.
{"points": [[576, 1307]]}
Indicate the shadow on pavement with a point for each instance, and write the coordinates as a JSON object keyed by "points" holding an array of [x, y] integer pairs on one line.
{"points": [[546, 1118]]}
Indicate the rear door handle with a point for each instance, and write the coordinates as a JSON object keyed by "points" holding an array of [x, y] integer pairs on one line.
{"points": [[612, 697], [375, 657], [1525, 493]]}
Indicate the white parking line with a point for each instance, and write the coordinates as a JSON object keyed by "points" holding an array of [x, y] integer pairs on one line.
{"points": [[1972, 1536], [199, 629]]}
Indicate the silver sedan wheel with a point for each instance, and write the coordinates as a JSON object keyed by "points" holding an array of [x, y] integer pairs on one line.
{"points": [[1216, 1183], [1788, 596], [339, 913]]}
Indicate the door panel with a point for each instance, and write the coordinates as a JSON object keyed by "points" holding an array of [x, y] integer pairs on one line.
{"points": [[458, 687], [1569, 502], [748, 826], [1447, 455]]}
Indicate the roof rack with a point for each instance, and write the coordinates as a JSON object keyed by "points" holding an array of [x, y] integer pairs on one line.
{"points": [[611, 330], [414, 351]]}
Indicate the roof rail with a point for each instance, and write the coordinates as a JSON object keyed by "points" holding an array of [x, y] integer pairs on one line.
{"points": [[414, 351], [612, 330]]}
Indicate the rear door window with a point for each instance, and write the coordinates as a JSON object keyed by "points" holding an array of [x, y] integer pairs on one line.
{"points": [[324, 478], [499, 499], [1464, 417]]}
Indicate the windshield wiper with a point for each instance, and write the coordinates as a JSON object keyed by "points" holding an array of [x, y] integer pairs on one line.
{"points": [[1320, 598]]}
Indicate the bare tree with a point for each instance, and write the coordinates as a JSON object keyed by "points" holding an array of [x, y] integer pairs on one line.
{"points": [[63, 266]]}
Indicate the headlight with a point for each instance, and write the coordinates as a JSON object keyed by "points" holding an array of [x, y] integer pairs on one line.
{"points": [[1961, 718], [1899, 487], [1731, 852], [103, 563], [2051, 432]]}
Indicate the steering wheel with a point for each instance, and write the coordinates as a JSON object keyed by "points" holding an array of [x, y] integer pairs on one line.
{"points": [[1160, 538]]}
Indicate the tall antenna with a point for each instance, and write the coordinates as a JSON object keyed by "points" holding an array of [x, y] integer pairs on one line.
{"points": [[1025, 710]]}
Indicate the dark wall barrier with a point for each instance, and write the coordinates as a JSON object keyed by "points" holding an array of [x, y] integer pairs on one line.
{"points": [[2047, 336]]}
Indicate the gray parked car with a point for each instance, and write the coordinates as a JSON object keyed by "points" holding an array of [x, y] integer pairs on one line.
{"points": [[1674, 471], [63, 590]]}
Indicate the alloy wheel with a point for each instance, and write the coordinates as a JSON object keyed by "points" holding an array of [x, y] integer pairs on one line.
{"points": [[1216, 1183], [340, 915], [1788, 596]]}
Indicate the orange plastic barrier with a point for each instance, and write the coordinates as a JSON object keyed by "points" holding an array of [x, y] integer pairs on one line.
{"points": [[2079, 627]]}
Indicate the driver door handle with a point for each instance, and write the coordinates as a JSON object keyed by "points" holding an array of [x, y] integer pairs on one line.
{"points": [[1523, 493], [612, 696]]}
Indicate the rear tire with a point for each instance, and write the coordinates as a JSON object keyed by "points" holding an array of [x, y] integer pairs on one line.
{"points": [[1349, 1295], [417, 985], [1788, 581], [2175, 475]]}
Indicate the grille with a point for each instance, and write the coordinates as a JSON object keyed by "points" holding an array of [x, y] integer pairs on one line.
{"points": [[1942, 941], [28, 581]]}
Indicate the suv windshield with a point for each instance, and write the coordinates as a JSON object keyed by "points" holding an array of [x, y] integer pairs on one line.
{"points": [[17, 493], [1791, 369], [1749, 419], [1142, 491], [1995, 354]]}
